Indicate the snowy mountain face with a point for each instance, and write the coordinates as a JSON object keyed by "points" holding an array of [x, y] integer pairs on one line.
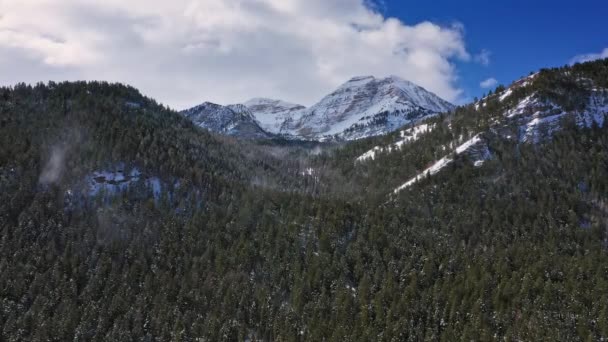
{"points": [[533, 117], [233, 120], [537, 119], [360, 108], [273, 115], [367, 106], [522, 114]]}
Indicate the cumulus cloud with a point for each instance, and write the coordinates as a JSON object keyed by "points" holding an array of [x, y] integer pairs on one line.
{"points": [[489, 83], [184, 52], [589, 57]]}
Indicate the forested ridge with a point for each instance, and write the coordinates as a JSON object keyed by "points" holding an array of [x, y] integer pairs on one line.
{"points": [[292, 241]]}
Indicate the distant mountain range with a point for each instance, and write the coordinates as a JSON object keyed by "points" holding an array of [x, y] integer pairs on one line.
{"points": [[362, 107]]}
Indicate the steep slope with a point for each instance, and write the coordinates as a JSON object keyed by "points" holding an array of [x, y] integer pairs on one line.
{"points": [[527, 112], [274, 115], [368, 106], [532, 115], [466, 147], [406, 136], [233, 120]]}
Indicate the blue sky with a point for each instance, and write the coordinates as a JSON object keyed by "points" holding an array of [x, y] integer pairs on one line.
{"points": [[522, 36]]}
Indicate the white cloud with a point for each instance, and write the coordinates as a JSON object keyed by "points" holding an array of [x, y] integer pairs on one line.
{"points": [[483, 57], [589, 57], [489, 83], [184, 52]]}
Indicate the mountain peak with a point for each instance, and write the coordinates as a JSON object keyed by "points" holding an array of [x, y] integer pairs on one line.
{"points": [[366, 106], [208, 104], [263, 101], [363, 106], [398, 79], [362, 78], [369, 78]]}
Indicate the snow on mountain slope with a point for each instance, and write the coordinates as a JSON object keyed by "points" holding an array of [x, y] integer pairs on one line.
{"points": [[362, 107], [502, 96], [367, 106], [467, 146], [537, 118], [596, 110], [506, 94], [547, 120], [235, 120], [530, 110], [272, 115], [526, 114], [407, 136]]}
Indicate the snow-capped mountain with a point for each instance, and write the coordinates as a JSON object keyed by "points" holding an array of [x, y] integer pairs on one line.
{"points": [[362, 107], [274, 115], [367, 106], [234, 120]]}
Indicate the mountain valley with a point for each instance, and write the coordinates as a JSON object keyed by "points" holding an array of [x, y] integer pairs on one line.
{"points": [[380, 213]]}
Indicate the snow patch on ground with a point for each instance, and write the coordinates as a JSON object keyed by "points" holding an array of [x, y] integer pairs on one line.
{"points": [[506, 94], [526, 80], [113, 182], [597, 109], [546, 118], [531, 129], [523, 106], [407, 136], [308, 172], [440, 164]]}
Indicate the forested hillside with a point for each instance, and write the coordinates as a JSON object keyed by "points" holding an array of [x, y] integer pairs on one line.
{"points": [[120, 220]]}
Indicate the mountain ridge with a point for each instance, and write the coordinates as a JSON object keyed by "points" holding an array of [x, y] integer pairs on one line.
{"points": [[363, 106], [232, 120]]}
